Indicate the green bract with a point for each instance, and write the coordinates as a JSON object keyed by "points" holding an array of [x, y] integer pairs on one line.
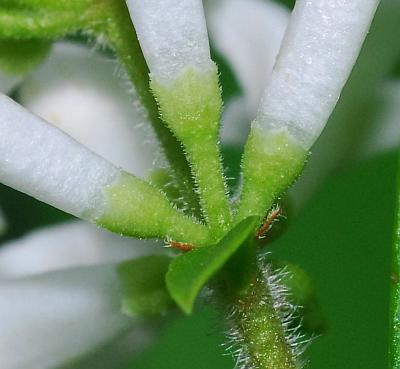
{"points": [[189, 273]]}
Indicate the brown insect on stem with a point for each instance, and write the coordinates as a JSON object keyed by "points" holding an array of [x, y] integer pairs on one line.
{"points": [[183, 246], [271, 218]]}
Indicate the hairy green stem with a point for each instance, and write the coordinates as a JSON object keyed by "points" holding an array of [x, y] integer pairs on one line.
{"points": [[191, 106], [394, 337], [257, 335]]}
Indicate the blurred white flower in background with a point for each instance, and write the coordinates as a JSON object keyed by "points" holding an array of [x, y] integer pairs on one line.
{"points": [[61, 294], [248, 34], [59, 289], [80, 92]]}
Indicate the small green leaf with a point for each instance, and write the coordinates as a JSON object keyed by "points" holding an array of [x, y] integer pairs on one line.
{"points": [[188, 273], [143, 286]]}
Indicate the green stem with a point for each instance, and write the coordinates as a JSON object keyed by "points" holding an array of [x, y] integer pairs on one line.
{"points": [[28, 24], [120, 32], [208, 171], [257, 334], [191, 106], [394, 337], [69, 5]]}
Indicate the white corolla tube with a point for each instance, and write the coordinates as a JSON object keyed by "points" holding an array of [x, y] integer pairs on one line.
{"points": [[184, 81], [319, 50], [173, 36], [174, 39], [42, 161], [320, 47]]}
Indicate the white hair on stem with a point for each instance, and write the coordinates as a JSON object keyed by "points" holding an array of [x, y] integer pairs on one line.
{"points": [[173, 36], [287, 314], [319, 50]]}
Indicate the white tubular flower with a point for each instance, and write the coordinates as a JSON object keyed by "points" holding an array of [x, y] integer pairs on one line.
{"points": [[184, 79], [79, 91], [320, 48], [173, 36], [31, 152], [42, 161]]}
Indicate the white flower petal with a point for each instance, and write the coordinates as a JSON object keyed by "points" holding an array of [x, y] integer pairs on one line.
{"points": [[173, 36], [40, 160], [319, 50], [68, 245], [78, 90], [248, 33], [53, 318]]}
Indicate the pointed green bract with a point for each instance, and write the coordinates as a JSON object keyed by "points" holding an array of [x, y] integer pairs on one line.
{"points": [[191, 107], [271, 163], [189, 273], [136, 208], [143, 286]]}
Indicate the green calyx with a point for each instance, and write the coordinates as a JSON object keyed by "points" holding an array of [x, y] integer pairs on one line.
{"points": [[136, 208], [191, 107], [271, 163]]}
